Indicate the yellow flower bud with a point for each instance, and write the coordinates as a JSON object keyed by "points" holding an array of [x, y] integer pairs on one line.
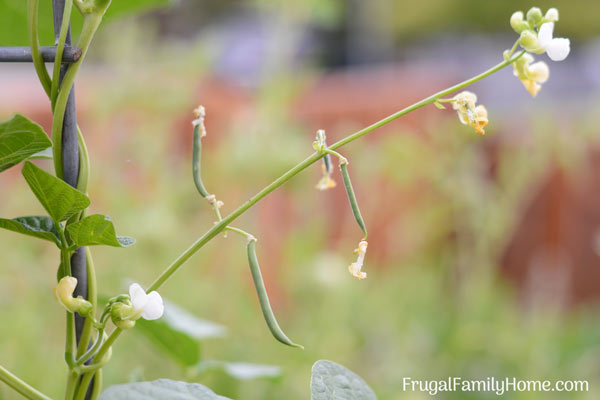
{"points": [[534, 16], [63, 292], [468, 113], [529, 41], [518, 23]]}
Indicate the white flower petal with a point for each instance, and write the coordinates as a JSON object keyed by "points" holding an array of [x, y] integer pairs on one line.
{"points": [[545, 34], [558, 49], [138, 296], [154, 308]]}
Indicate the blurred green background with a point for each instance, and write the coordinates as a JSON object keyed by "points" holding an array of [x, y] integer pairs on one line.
{"points": [[483, 251]]}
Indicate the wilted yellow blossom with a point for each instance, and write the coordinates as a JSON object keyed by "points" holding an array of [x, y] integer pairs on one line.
{"points": [[326, 182], [468, 113], [355, 267]]}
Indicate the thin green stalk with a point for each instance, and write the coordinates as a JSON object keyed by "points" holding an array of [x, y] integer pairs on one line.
{"points": [[87, 378], [34, 43], [423, 103], [20, 386], [214, 231], [92, 295], [97, 388], [90, 26], [60, 48], [241, 232], [72, 380]]}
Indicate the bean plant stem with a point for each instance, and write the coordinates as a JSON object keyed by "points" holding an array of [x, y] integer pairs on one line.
{"points": [[20, 386], [211, 233], [60, 47]]}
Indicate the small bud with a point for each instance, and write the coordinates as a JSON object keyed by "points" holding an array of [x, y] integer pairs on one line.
{"points": [[551, 15], [122, 315], [518, 23], [529, 41], [64, 294], [480, 119], [534, 16], [200, 113]]}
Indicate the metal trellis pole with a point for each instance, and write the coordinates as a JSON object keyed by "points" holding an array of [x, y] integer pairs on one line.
{"points": [[70, 145]]}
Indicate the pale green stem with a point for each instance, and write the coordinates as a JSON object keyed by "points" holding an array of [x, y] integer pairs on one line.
{"points": [[34, 43], [71, 385], [240, 232], [20, 386], [171, 269], [87, 378], [60, 48]]}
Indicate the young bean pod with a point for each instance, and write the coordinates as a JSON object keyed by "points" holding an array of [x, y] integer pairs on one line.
{"points": [[352, 198], [196, 160], [263, 298], [327, 163]]}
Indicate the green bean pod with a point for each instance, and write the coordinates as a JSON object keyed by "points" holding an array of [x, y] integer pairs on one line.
{"points": [[352, 198], [196, 160], [263, 298], [327, 163]]}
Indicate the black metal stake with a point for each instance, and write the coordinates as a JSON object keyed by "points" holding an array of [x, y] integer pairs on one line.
{"points": [[70, 145], [70, 157]]}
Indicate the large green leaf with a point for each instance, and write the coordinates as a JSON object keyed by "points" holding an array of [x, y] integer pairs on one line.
{"points": [[178, 333], [13, 18], [97, 229], [331, 381], [20, 138], [162, 389], [39, 227], [60, 200]]}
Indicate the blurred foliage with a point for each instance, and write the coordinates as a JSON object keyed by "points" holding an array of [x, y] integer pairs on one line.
{"points": [[13, 18]]}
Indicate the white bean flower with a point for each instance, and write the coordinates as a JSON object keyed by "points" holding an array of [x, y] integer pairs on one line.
{"points": [[557, 48], [148, 306]]}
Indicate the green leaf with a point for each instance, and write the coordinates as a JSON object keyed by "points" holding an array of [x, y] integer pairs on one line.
{"points": [[13, 18], [178, 333], [240, 370], [331, 381], [20, 138], [161, 389], [439, 105], [60, 200], [97, 229], [39, 227]]}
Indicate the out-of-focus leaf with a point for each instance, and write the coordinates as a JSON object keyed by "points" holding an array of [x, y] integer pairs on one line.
{"points": [[161, 389], [42, 155], [240, 370], [331, 381], [20, 138], [13, 18], [97, 229], [60, 200], [36, 226], [178, 333]]}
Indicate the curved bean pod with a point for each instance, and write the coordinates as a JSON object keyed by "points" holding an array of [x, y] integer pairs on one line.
{"points": [[263, 298], [352, 198], [196, 160]]}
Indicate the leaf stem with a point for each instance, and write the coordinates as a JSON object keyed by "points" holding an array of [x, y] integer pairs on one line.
{"points": [[20, 386]]}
